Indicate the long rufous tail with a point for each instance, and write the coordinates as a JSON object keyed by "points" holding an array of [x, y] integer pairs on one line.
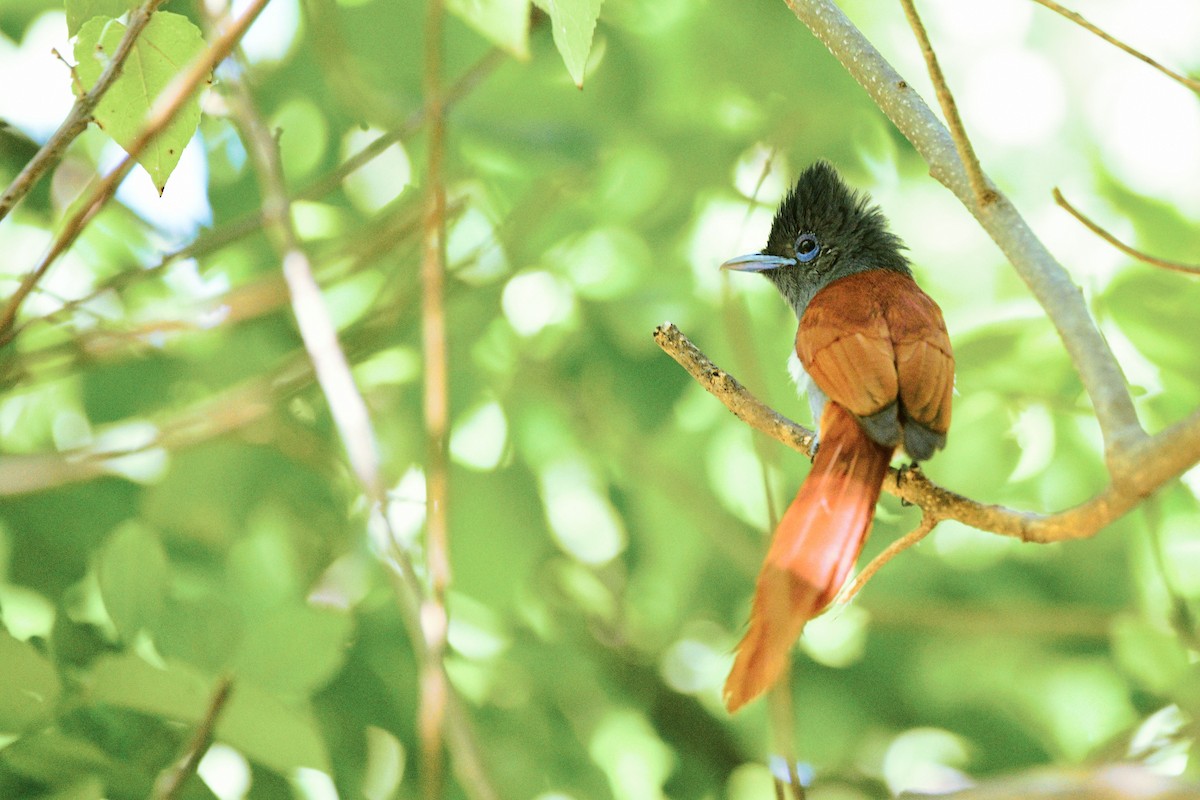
{"points": [[812, 552]]}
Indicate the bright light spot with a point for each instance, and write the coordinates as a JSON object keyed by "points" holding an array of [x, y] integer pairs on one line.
{"points": [[41, 96], [473, 249], [750, 781], [225, 771], [273, 33], [978, 23], [312, 784], [385, 765], [553, 796], [1083, 705], [382, 179], [1161, 743], [392, 367], [581, 518], [1014, 97], [926, 760], [70, 429], [837, 638], [478, 438], [750, 169], [1147, 128], [405, 511], [631, 755], [303, 135], [724, 229], [475, 631], [183, 206], [25, 612], [1034, 431], [535, 300], [1181, 552], [968, 549], [779, 769], [735, 475], [135, 456], [604, 263], [698, 662]]}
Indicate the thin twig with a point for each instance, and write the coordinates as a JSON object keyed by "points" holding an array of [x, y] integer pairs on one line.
{"points": [[1078, 19], [171, 782], [80, 114], [1153, 462], [1190, 269], [928, 521], [162, 112], [434, 691], [984, 195], [1049, 282]]}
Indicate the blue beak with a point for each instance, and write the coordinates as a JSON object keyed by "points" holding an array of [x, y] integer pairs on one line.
{"points": [[758, 262]]}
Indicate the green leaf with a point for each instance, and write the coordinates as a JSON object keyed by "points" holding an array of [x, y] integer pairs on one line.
{"points": [[29, 686], [573, 23], [167, 44], [80, 11], [294, 649], [55, 758], [278, 736], [505, 23], [133, 575]]}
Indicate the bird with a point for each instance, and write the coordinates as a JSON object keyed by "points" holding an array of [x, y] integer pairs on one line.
{"points": [[874, 356]]}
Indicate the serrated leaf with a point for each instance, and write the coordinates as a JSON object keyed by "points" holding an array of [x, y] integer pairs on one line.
{"points": [[275, 735], [165, 47], [505, 23], [80, 11], [29, 686], [573, 23], [133, 576]]}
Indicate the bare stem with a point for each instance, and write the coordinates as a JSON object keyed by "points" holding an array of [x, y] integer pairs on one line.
{"points": [[171, 782], [434, 690], [80, 114], [1190, 269], [984, 195], [1075, 17], [928, 521]]}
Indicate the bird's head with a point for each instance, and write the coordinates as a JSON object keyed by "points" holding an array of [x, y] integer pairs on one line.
{"points": [[822, 231]]}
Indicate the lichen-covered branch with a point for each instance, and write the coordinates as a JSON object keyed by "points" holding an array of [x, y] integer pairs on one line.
{"points": [[1154, 461]]}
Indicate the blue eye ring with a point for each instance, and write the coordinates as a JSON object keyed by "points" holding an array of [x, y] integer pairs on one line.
{"points": [[807, 247]]}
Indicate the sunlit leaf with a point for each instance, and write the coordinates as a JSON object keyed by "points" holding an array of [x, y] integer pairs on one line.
{"points": [[505, 23], [168, 43], [80, 11], [573, 23], [133, 575], [30, 686]]}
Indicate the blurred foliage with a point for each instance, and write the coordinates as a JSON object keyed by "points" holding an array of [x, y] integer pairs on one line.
{"points": [[177, 507]]}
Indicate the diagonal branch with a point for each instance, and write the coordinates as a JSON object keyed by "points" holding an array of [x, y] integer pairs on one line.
{"points": [[80, 114], [1079, 20], [1176, 266], [1155, 461], [1061, 298], [984, 194]]}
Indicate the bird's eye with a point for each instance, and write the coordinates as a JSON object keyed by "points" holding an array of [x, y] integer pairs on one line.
{"points": [[807, 247]]}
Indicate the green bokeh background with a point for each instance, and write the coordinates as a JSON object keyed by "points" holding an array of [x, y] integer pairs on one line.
{"points": [[607, 516]]}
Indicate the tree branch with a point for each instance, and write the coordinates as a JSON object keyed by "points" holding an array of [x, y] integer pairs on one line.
{"points": [[171, 782], [1154, 461], [984, 194], [1078, 19], [1051, 285], [80, 114], [1176, 266], [434, 622]]}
